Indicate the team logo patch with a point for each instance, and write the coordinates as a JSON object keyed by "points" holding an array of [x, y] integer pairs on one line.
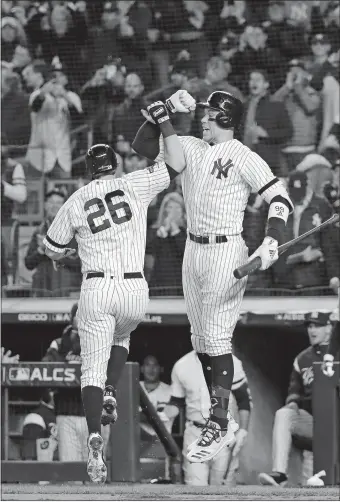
{"points": [[222, 170]]}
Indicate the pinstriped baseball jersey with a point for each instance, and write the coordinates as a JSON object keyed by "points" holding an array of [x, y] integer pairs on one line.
{"points": [[108, 219], [217, 183]]}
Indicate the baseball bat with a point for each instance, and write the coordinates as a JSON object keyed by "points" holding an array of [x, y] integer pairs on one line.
{"points": [[255, 263]]}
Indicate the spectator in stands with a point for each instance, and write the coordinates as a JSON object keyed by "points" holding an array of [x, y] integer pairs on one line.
{"points": [[327, 21], [267, 126], [326, 80], [61, 31], [288, 39], [230, 21], [123, 33], [309, 263], [37, 425], [100, 95], [70, 418], [46, 280], [303, 104], [189, 392], [295, 420], [7, 357], [12, 35], [165, 249], [127, 117], [184, 26], [254, 53], [21, 58], [52, 108], [158, 393], [13, 190], [14, 104]]}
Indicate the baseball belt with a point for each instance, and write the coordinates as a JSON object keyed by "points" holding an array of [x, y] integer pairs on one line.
{"points": [[204, 239], [127, 275]]}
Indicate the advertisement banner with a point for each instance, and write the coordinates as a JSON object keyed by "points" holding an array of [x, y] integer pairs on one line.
{"points": [[40, 375]]}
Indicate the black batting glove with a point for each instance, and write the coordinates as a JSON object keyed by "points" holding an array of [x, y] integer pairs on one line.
{"points": [[158, 112]]}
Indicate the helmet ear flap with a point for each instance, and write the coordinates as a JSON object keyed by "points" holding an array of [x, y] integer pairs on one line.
{"points": [[223, 121]]}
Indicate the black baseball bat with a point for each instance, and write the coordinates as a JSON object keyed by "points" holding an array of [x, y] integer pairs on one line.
{"points": [[255, 263]]}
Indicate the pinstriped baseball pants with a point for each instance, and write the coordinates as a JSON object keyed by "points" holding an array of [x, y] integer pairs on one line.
{"points": [[212, 295], [108, 311]]}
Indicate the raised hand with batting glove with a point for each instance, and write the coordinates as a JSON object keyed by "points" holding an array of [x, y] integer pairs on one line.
{"points": [[268, 252], [181, 101]]}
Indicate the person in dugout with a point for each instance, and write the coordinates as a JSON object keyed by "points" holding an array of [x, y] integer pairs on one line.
{"points": [[189, 390], [70, 417]]}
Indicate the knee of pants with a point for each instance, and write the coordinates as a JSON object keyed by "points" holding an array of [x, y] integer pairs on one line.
{"points": [[196, 474], [94, 375], [198, 343], [219, 344]]}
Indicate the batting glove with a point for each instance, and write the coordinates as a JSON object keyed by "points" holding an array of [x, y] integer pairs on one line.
{"points": [[181, 101], [268, 253], [158, 112], [327, 365]]}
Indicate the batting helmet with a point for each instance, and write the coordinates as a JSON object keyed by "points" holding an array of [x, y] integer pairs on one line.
{"points": [[100, 159], [230, 108]]}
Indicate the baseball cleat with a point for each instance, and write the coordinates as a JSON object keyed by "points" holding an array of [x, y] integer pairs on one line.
{"points": [[231, 423], [211, 441], [109, 413], [96, 468], [273, 479]]}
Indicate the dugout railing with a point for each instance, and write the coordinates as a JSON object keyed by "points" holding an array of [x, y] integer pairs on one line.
{"points": [[124, 444]]}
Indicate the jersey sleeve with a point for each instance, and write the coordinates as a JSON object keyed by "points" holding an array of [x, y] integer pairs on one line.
{"points": [[150, 181], [61, 231], [177, 389], [189, 145]]}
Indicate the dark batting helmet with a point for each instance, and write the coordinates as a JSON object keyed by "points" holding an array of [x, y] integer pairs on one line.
{"points": [[100, 159], [230, 108]]}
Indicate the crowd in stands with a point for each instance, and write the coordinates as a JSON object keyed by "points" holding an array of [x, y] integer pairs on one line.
{"points": [[79, 73]]}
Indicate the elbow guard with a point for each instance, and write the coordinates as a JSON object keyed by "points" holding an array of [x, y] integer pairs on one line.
{"points": [[279, 209]]}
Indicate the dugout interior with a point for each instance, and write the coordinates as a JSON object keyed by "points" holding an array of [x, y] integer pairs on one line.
{"points": [[267, 353]]}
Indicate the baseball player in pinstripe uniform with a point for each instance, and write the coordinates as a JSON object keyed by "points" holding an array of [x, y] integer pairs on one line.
{"points": [[108, 219], [188, 389], [219, 175]]}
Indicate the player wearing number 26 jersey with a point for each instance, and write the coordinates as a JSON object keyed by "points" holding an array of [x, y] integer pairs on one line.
{"points": [[108, 219]]}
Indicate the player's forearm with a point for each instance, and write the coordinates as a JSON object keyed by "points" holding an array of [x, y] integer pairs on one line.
{"points": [[243, 420], [173, 151], [171, 411], [146, 142]]}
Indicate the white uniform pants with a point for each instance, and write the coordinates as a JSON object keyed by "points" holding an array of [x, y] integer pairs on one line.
{"points": [[72, 438], [212, 295], [109, 310], [289, 422], [207, 473]]}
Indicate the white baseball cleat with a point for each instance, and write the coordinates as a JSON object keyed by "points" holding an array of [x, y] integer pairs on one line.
{"points": [[109, 413], [96, 468], [211, 441], [231, 423]]}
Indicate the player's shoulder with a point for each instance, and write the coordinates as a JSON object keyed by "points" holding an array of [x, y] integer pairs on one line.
{"points": [[193, 143], [164, 387]]}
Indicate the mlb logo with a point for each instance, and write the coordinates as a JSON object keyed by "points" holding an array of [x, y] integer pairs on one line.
{"points": [[16, 374]]}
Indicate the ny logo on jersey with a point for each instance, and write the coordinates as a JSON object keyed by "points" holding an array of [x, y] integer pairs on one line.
{"points": [[221, 169]]}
